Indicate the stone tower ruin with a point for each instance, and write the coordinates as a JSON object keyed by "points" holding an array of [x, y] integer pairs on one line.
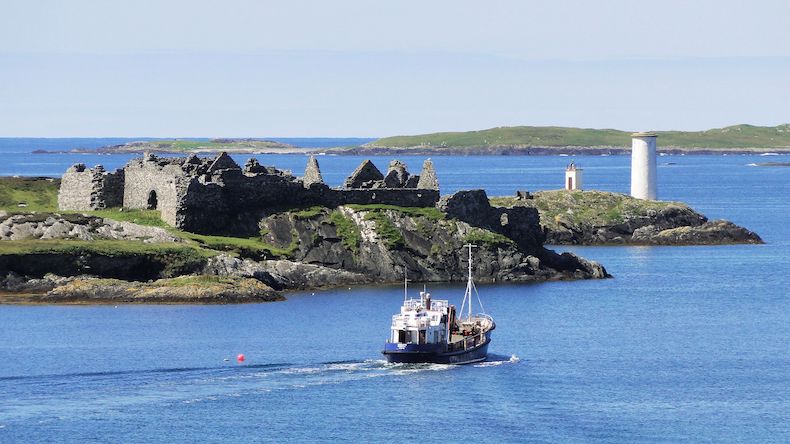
{"points": [[216, 195]]}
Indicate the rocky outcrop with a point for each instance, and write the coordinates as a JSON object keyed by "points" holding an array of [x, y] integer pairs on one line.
{"points": [[377, 244], [283, 274], [77, 226], [708, 233], [183, 290], [315, 247], [602, 218]]}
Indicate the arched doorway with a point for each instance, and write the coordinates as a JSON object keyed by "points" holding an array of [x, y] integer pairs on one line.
{"points": [[152, 200]]}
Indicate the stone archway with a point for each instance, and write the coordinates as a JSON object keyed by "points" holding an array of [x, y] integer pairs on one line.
{"points": [[153, 202]]}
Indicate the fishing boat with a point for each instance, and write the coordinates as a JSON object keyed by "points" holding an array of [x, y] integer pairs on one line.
{"points": [[431, 331]]}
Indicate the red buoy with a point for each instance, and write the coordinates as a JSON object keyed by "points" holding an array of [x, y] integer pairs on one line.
{"points": [[240, 357]]}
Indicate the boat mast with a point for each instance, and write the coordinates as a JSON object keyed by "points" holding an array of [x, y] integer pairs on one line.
{"points": [[469, 284], [405, 283]]}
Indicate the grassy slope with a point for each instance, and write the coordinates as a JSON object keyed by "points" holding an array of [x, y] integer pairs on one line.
{"points": [[738, 136], [594, 208], [41, 196]]}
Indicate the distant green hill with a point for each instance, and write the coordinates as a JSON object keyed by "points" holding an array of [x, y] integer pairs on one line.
{"points": [[731, 137]]}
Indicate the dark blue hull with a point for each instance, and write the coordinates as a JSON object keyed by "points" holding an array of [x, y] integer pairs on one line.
{"points": [[435, 353]]}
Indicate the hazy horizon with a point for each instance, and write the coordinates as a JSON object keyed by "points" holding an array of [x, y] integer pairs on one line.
{"points": [[359, 69]]}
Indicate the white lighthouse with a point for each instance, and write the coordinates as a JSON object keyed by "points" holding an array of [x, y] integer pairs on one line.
{"points": [[643, 165], [573, 178]]}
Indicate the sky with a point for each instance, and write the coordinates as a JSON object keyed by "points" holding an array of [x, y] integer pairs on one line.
{"points": [[294, 68]]}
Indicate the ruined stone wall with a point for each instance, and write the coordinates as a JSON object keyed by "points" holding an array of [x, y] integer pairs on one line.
{"points": [[76, 188], [112, 188], [86, 189], [144, 177], [402, 197], [231, 202]]}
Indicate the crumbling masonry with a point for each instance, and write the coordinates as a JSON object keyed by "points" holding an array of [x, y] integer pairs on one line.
{"points": [[216, 195]]}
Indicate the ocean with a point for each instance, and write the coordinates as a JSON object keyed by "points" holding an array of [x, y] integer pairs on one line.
{"points": [[683, 344]]}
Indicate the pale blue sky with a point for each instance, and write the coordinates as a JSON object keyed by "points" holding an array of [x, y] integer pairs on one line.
{"points": [[371, 68]]}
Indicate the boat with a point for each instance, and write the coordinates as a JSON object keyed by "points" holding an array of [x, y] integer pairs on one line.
{"points": [[432, 331]]}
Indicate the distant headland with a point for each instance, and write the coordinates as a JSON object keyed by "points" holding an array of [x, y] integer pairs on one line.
{"points": [[535, 140], [516, 140]]}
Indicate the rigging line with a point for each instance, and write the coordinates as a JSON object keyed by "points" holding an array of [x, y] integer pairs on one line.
{"points": [[478, 298]]}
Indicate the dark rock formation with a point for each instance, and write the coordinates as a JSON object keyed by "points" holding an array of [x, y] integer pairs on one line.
{"points": [[521, 224], [602, 218], [708, 233], [377, 244], [673, 225]]}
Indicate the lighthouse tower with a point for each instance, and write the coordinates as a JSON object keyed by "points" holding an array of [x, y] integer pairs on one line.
{"points": [[573, 178], [643, 165]]}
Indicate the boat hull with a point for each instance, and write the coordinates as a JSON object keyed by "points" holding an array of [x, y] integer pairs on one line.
{"points": [[431, 353]]}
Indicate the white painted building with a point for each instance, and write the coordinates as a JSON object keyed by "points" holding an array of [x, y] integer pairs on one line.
{"points": [[643, 165], [573, 178]]}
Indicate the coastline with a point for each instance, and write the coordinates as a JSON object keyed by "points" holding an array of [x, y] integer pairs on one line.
{"points": [[363, 150]]}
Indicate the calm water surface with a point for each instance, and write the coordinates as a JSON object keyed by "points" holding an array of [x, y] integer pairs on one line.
{"points": [[684, 344]]}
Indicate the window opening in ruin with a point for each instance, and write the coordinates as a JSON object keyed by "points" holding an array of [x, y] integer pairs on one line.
{"points": [[152, 201]]}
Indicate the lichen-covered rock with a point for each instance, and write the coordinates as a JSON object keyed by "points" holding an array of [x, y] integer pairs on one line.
{"points": [[376, 244], [76, 226], [601, 218], [709, 233], [181, 290]]}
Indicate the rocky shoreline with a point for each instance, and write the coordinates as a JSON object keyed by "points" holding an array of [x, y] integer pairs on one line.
{"points": [[603, 218], [52, 258]]}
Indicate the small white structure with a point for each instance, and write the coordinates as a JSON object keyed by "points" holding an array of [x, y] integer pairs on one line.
{"points": [[573, 178], [643, 165]]}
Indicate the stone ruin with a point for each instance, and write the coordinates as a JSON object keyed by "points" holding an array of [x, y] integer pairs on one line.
{"points": [[216, 195]]}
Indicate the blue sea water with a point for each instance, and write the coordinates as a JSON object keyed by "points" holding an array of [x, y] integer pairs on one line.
{"points": [[683, 344]]}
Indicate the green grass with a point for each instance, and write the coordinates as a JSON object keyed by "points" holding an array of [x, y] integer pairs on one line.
{"points": [[487, 238], [737, 136], [309, 213], [347, 230], [392, 236], [151, 218], [39, 194], [591, 208], [253, 247], [108, 248], [191, 280], [175, 257]]}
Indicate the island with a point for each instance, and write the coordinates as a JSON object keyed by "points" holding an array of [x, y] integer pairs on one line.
{"points": [[207, 230], [553, 140], [180, 146], [516, 140]]}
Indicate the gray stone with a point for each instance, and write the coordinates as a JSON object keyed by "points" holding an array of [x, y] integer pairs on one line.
{"points": [[312, 173], [428, 178], [397, 175], [215, 196], [365, 174]]}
